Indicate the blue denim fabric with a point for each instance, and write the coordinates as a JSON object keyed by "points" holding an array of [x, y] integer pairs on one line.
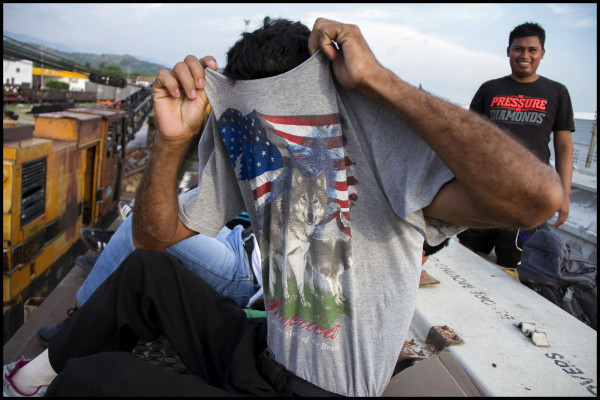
{"points": [[221, 261]]}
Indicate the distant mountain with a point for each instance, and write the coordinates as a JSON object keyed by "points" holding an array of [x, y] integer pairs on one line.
{"points": [[127, 62]]}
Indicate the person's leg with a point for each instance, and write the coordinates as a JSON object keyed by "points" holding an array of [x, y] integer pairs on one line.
{"points": [[28, 377], [149, 295], [124, 374], [507, 253], [220, 261], [117, 374], [481, 240], [119, 247]]}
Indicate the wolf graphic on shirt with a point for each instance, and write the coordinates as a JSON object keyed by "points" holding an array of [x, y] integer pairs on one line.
{"points": [[303, 184], [293, 219]]}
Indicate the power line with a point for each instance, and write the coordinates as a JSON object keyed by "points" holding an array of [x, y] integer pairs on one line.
{"points": [[40, 55], [43, 56]]}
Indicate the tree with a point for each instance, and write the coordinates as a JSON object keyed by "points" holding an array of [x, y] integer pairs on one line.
{"points": [[57, 85], [113, 70]]}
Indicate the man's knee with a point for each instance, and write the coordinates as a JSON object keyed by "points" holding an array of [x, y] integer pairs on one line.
{"points": [[150, 266], [144, 259]]}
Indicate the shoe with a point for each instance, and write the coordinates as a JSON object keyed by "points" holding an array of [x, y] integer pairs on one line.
{"points": [[8, 387], [125, 209], [95, 239], [87, 262], [46, 332]]}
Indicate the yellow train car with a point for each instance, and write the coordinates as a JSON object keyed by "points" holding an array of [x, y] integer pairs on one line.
{"points": [[110, 162], [59, 175]]}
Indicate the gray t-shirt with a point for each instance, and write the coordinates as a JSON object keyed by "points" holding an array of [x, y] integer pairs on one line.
{"points": [[334, 185]]}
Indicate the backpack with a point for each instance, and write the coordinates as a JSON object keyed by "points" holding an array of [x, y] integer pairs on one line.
{"points": [[559, 273]]}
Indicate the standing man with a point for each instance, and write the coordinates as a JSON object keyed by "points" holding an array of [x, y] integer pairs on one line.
{"points": [[530, 107]]}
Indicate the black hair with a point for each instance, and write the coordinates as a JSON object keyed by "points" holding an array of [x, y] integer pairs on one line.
{"points": [[528, 29], [278, 46], [429, 250]]}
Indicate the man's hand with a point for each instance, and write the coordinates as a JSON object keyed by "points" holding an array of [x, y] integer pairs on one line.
{"points": [[353, 64], [563, 156], [179, 105], [179, 98], [563, 214], [468, 144]]}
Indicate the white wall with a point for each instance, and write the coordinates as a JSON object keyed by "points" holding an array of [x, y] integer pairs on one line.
{"points": [[17, 72]]}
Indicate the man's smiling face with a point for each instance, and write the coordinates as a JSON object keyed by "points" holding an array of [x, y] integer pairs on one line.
{"points": [[525, 54]]}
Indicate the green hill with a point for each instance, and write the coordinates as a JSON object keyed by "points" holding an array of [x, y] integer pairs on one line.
{"points": [[32, 47], [128, 64]]}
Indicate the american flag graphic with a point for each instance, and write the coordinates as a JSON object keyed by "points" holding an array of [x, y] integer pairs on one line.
{"points": [[263, 149]]}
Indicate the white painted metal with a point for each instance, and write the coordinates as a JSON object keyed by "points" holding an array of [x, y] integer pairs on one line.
{"points": [[482, 304]]}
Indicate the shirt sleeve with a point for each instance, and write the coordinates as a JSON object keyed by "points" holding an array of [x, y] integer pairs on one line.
{"points": [[477, 102], [396, 147], [564, 116], [217, 199]]}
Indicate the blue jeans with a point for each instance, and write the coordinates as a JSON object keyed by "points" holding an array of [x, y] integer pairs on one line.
{"points": [[221, 261]]}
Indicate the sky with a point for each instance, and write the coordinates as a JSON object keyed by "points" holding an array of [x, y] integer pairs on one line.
{"points": [[450, 49]]}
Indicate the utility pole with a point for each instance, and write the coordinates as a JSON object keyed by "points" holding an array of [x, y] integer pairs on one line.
{"points": [[42, 69], [590, 156]]}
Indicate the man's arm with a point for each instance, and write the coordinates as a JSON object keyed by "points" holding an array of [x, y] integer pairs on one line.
{"points": [[179, 105], [563, 156], [498, 182]]}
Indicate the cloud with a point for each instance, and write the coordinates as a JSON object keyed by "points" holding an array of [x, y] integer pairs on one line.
{"points": [[439, 64], [449, 48], [580, 15]]}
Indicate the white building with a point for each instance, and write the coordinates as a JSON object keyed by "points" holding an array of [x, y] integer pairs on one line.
{"points": [[144, 80], [75, 80], [585, 148], [17, 72]]}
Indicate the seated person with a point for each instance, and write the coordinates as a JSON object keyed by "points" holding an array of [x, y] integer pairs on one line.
{"points": [[229, 262]]}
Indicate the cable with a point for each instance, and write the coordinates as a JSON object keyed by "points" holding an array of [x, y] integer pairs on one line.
{"points": [[14, 48]]}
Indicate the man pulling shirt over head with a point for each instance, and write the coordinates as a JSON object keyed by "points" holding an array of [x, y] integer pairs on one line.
{"points": [[344, 175]]}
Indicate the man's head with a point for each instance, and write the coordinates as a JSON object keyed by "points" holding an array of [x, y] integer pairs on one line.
{"points": [[277, 47], [528, 29], [525, 50]]}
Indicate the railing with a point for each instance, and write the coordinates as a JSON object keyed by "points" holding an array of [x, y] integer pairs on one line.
{"points": [[138, 104], [16, 93]]}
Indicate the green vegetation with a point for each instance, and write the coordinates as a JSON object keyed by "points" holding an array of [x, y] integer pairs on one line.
{"points": [[113, 70], [128, 65], [322, 304], [56, 85], [116, 70]]}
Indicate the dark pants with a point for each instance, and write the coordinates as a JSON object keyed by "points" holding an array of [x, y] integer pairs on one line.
{"points": [[504, 242], [149, 295]]}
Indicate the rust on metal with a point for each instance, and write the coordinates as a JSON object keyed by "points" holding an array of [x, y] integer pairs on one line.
{"points": [[439, 337]]}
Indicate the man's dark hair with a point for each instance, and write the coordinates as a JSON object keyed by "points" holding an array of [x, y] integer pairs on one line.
{"points": [[429, 250], [528, 29], [278, 46]]}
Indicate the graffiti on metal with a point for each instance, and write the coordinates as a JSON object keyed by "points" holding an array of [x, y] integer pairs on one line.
{"points": [[574, 372], [482, 296]]}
